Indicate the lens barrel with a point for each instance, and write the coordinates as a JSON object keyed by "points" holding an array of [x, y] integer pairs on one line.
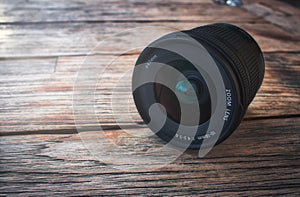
{"points": [[240, 49], [240, 62]]}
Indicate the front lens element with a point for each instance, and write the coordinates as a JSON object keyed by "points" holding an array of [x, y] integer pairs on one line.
{"points": [[187, 91]]}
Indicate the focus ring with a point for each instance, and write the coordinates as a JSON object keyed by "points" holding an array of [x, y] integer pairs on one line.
{"points": [[243, 51]]}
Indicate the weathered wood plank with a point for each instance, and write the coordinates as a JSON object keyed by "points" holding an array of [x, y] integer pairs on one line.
{"points": [[278, 13], [260, 158], [45, 40], [27, 66], [42, 103], [22, 11]]}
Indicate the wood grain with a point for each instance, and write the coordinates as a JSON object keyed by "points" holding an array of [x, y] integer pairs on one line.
{"points": [[56, 11], [70, 39], [43, 102], [15, 67], [278, 13], [260, 158], [42, 47]]}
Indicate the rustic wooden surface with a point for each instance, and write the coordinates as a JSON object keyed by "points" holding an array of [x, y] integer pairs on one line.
{"points": [[42, 45]]}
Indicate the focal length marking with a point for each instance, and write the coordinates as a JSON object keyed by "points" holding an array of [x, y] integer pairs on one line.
{"points": [[150, 61], [208, 134]]}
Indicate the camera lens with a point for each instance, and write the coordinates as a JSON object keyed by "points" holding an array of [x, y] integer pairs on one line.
{"points": [[180, 85]]}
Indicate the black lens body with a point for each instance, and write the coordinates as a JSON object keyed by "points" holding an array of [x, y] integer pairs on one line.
{"points": [[240, 62]]}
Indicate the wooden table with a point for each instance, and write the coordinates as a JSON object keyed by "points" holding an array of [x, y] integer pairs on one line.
{"points": [[42, 45]]}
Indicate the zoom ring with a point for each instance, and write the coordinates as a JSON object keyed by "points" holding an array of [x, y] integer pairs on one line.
{"points": [[243, 51]]}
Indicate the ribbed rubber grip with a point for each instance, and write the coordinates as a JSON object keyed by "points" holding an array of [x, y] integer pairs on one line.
{"points": [[242, 50]]}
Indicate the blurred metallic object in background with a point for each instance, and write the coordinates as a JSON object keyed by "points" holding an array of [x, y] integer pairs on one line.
{"points": [[229, 2]]}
